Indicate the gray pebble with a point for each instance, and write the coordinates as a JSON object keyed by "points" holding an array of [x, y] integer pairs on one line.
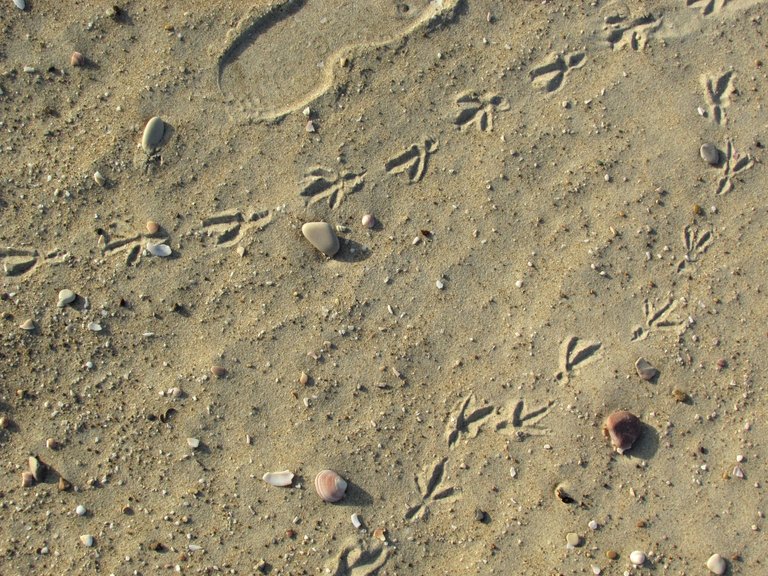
{"points": [[322, 236], [66, 296], [710, 154], [153, 134]]}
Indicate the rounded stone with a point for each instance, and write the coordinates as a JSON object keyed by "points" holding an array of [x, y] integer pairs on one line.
{"points": [[710, 154], [572, 539], [637, 558], [87, 540], [80, 510], [153, 134], [66, 296], [322, 236], [716, 564]]}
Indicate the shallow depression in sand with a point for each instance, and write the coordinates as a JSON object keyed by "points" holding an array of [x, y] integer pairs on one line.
{"points": [[284, 55]]}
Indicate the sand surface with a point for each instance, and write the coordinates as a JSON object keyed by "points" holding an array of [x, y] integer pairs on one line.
{"points": [[544, 219]]}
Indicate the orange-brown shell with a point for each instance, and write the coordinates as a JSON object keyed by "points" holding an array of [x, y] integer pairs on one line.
{"points": [[330, 486], [623, 428]]}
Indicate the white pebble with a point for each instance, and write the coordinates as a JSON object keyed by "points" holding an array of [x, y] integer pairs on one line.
{"points": [[716, 564], [80, 510], [99, 178], [593, 525], [87, 540], [356, 522], [637, 558], [161, 250], [439, 285], [369, 220], [519, 283], [193, 442]]}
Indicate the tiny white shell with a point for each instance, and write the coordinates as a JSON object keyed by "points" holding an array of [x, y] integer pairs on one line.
{"points": [[356, 522], [80, 510], [369, 220], [283, 478], [161, 250], [637, 558], [98, 177], [20, 4], [27, 325], [330, 486]]}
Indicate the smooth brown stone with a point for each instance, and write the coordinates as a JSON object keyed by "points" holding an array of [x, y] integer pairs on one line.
{"points": [[322, 236]]}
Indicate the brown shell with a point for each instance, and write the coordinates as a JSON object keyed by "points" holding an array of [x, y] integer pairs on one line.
{"points": [[330, 486], [623, 428]]}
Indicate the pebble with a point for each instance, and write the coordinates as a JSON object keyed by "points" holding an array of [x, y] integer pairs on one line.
{"points": [[94, 326], [52, 444], [20, 4], [87, 540], [593, 525], [152, 227], [153, 134], [5, 422], [710, 154], [27, 325], [80, 510], [645, 369], [637, 558], [572, 539], [66, 296], [193, 443], [218, 371], [369, 220], [716, 564], [322, 236], [99, 178], [27, 479], [77, 59]]}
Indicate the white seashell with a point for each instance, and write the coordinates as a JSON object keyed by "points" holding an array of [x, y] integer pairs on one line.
{"points": [[94, 327], [161, 250], [356, 522], [87, 540], [27, 325], [80, 510], [645, 369], [20, 4], [369, 220], [153, 134], [637, 558], [98, 177], [330, 486], [283, 478]]}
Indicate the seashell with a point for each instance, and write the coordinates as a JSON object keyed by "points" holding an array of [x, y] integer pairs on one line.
{"points": [[161, 250], [152, 227], [77, 59], [27, 325], [153, 134], [94, 326], [283, 478], [64, 485], [80, 510], [369, 220], [356, 522], [193, 443], [637, 558], [98, 177], [38, 468], [5, 422], [710, 154], [218, 371], [303, 379], [623, 428], [20, 4], [27, 479], [66, 296], [52, 444], [330, 486], [645, 369]]}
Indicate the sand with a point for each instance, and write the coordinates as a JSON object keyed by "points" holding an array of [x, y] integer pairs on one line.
{"points": [[544, 219]]}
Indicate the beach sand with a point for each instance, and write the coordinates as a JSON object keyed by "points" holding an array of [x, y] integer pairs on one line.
{"points": [[544, 218]]}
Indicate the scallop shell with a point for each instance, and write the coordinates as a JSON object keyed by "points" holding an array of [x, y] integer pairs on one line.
{"points": [[330, 486], [283, 478], [623, 428]]}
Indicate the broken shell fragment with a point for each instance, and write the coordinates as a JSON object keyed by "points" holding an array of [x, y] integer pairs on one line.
{"points": [[77, 59], [283, 478], [645, 369], [330, 486], [27, 325], [623, 428], [64, 485], [66, 296], [27, 479], [98, 177]]}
